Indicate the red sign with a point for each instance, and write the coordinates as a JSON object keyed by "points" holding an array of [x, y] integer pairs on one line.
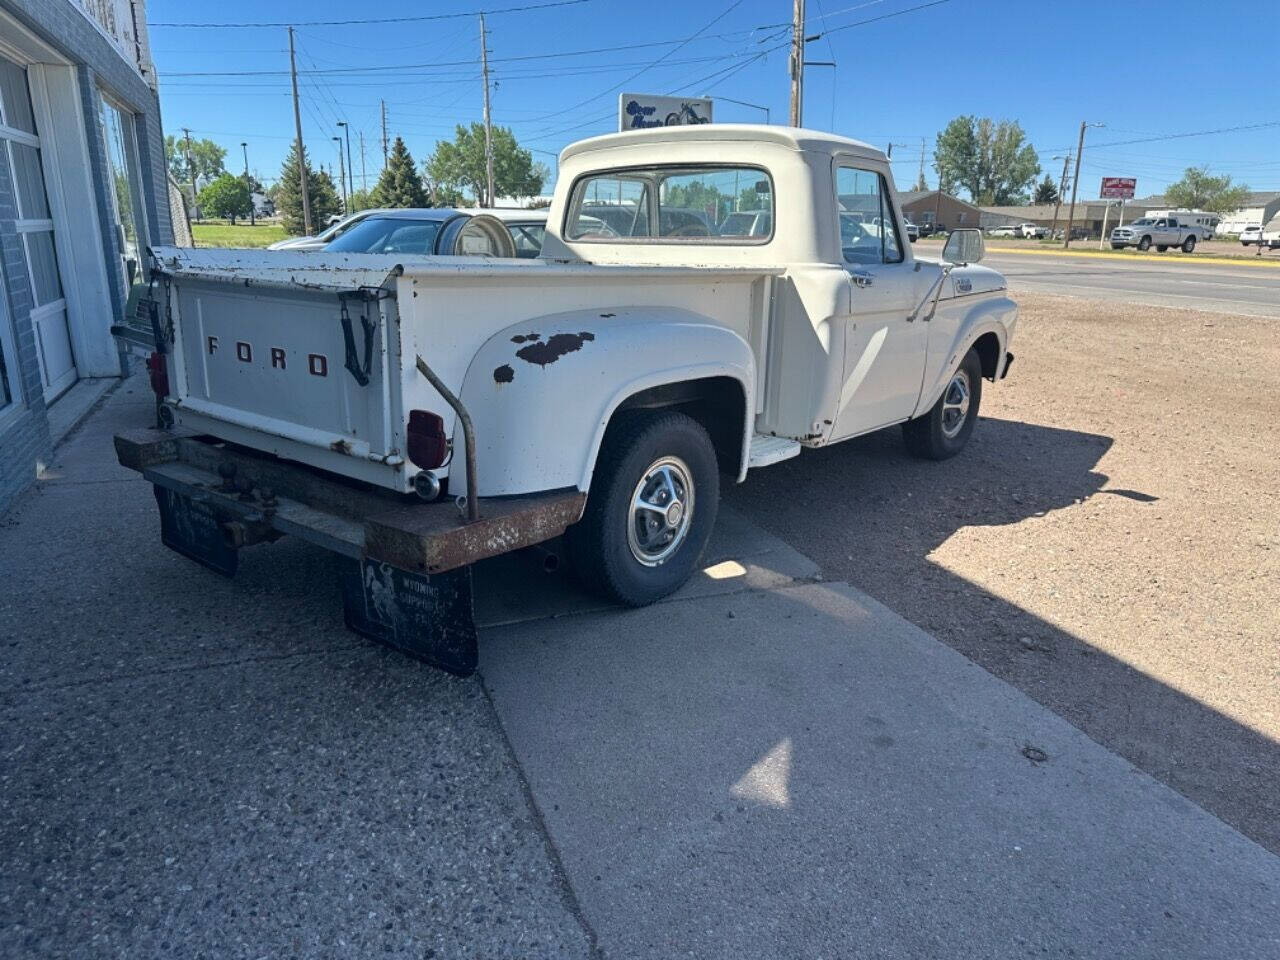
{"points": [[1118, 188]]}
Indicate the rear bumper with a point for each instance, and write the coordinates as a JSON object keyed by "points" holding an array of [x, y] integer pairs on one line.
{"points": [[256, 498]]}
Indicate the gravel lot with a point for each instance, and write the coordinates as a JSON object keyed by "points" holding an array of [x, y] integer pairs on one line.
{"points": [[1109, 542]]}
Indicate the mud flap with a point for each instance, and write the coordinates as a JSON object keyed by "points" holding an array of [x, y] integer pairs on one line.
{"points": [[194, 530], [428, 617]]}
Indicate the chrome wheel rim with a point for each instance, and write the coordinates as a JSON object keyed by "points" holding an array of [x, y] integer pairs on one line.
{"points": [[661, 511], [955, 404]]}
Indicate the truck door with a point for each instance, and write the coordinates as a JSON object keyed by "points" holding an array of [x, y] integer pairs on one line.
{"points": [[884, 353]]}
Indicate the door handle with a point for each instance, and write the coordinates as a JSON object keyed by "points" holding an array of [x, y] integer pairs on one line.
{"points": [[861, 279]]}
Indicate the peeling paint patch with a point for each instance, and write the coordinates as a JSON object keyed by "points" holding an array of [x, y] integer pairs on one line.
{"points": [[554, 348], [527, 337], [341, 446], [606, 316], [503, 374]]}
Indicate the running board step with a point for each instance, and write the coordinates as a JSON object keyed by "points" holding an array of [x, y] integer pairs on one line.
{"points": [[767, 450]]}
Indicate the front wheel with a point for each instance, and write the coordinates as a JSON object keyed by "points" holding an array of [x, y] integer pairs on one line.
{"points": [[945, 429], [1189, 245], [1144, 244], [652, 504]]}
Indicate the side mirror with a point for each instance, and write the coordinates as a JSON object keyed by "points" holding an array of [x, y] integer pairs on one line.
{"points": [[964, 246]]}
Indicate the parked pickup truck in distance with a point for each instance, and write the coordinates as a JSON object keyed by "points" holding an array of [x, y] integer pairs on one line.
{"points": [[1159, 232], [473, 406], [1032, 231]]}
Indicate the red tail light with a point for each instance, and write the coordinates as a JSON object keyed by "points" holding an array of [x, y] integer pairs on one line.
{"points": [[159, 374], [427, 444]]}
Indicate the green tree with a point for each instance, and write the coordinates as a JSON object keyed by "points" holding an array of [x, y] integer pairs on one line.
{"points": [[321, 190], [228, 196], [400, 185], [990, 159], [361, 200], [1046, 191], [206, 156], [921, 183], [460, 165], [1199, 191]]}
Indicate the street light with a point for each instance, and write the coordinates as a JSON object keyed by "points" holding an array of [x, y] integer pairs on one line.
{"points": [[351, 171], [743, 103], [247, 182], [342, 176]]}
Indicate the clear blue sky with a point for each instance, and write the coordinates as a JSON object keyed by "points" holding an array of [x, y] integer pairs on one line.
{"points": [[1145, 70]]}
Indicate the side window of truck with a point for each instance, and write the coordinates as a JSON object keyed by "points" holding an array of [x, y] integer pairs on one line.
{"points": [[868, 230]]}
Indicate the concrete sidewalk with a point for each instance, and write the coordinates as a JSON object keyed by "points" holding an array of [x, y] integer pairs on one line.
{"points": [[766, 765]]}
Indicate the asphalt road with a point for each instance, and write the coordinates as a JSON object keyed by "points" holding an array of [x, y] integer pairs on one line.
{"points": [[1248, 290]]}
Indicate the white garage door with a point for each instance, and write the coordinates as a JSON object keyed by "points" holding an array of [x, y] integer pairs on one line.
{"points": [[21, 148]]}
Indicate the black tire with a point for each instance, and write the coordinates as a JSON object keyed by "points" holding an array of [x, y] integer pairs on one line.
{"points": [[600, 544], [1189, 245], [1144, 244], [1161, 248], [932, 437]]}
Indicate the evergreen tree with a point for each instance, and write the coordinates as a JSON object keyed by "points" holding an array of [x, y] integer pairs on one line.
{"points": [[400, 185], [321, 190], [1046, 191]]}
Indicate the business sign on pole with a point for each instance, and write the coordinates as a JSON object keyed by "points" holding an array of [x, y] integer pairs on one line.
{"points": [[636, 111], [1118, 188]]}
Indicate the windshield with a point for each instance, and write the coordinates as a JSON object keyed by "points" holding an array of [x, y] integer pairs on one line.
{"points": [[1144, 222], [388, 235]]}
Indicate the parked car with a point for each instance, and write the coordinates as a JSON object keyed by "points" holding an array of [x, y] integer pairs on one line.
{"points": [[913, 231], [1033, 231], [599, 392], [320, 239], [1005, 230], [430, 230], [1250, 235], [528, 227], [1159, 232]]}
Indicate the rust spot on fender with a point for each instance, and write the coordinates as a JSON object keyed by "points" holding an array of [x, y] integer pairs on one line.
{"points": [[341, 446], [503, 374], [527, 337], [554, 348]]}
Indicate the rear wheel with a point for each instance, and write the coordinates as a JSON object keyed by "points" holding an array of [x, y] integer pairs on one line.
{"points": [[651, 508], [945, 429], [1189, 245], [1144, 244]]}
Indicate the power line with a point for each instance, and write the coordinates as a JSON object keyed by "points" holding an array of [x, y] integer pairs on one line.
{"points": [[1183, 136], [350, 23]]}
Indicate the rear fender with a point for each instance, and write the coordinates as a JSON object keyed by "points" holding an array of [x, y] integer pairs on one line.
{"points": [[541, 392]]}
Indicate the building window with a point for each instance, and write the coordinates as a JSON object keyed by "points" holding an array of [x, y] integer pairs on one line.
{"points": [[20, 150], [125, 190]]}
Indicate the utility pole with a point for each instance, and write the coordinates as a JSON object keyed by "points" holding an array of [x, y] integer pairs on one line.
{"points": [[191, 170], [1075, 183], [797, 63], [921, 180], [384, 134], [247, 182], [297, 128], [351, 170], [1062, 188], [342, 178], [364, 180], [488, 121]]}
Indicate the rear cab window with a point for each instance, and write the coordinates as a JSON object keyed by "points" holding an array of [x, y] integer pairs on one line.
{"points": [[672, 204]]}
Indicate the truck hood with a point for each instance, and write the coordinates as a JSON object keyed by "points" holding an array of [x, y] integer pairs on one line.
{"points": [[972, 279]]}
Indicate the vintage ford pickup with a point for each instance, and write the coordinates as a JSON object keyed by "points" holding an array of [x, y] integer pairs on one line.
{"points": [[419, 414]]}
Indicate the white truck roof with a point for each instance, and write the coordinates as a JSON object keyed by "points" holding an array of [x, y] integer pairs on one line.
{"points": [[796, 138]]}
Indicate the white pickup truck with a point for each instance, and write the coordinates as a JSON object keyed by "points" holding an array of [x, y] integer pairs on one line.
{"points": [[419, 414], [1159, 232]]}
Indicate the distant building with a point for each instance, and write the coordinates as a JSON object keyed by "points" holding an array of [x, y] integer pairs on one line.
{"points": [[1090, 215], [83, 191], [932, 207]]}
